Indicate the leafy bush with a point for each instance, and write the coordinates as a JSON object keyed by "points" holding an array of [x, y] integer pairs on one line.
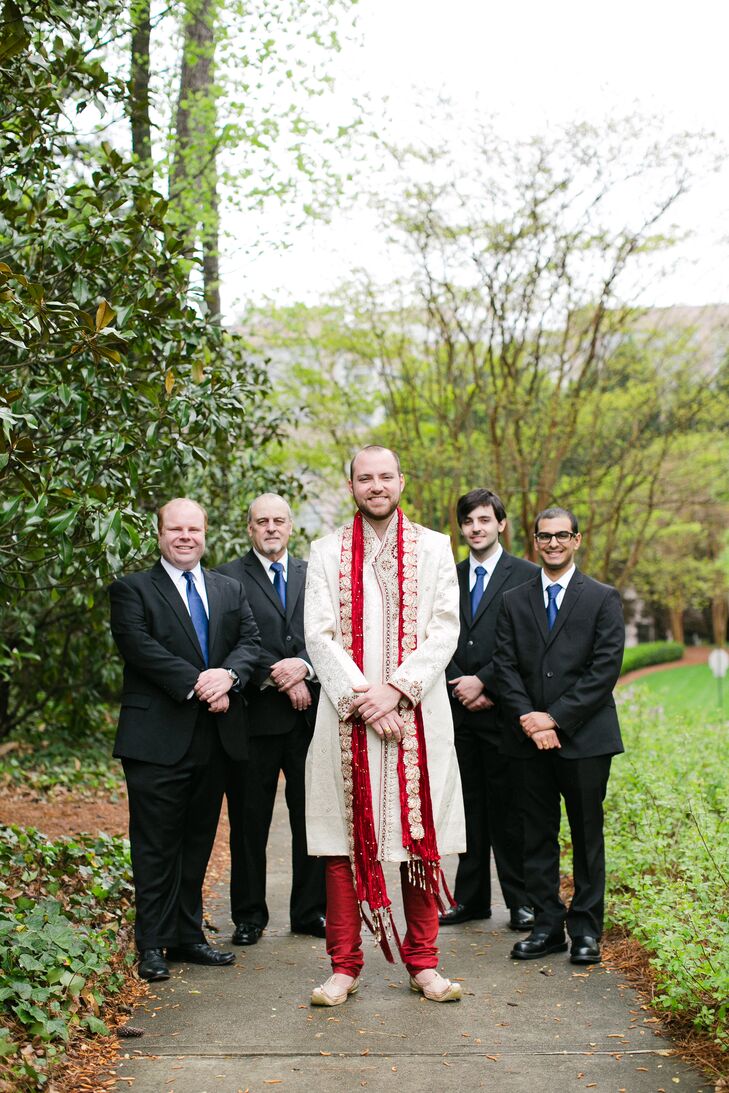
{"points": [[63, 907], [651, 652], [42, 758], [668, 849]]}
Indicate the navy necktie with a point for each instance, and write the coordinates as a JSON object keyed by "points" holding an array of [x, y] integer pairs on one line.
{"points": [[197, 614], [553, 590], [477, 590], [278, 581]]}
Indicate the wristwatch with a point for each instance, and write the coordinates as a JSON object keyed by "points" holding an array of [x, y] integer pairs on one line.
{"points": [[234, 676]]}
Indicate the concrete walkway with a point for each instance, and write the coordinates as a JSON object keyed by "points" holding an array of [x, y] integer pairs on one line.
{"points": [[538, 1025]]}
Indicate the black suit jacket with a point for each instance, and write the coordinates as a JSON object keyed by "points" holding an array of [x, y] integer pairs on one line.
{"points": [[282, 635], [162, 660], [569, 671], [476, 640]]}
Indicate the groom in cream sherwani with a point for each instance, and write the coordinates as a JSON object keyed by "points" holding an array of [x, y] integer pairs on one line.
{"points": [[382, 779]]}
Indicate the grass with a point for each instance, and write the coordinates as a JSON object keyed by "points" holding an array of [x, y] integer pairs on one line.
{"points": [[688, 690]]}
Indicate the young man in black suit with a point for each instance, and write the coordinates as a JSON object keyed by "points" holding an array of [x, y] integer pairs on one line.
{"points": [[189, 642], [490, 791], [282, 697], [559, 653]]}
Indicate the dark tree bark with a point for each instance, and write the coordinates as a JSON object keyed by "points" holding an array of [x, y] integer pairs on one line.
{"points": [[139, 96], [194, 179]]}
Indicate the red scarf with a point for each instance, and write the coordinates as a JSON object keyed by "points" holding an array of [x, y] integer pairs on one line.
{"points": [[419, 838]]}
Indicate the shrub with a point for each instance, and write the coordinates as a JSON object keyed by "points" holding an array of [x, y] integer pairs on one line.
{"points": [[651, 652], [63, 905]]}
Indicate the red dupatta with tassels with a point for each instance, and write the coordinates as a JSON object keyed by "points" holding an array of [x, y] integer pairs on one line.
{"points": [[418, 828]]}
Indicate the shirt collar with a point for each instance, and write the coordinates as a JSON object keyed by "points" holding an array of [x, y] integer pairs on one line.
{"points": [[563, 581], [489, 564], [266, 562], [176, 574]]}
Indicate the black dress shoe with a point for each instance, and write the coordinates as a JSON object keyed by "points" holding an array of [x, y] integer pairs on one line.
{"points": [[521, 918], [461, 913], [246, 933], [539, 943], [152, 965], [200, 953], [585, 950], [316, 927]]}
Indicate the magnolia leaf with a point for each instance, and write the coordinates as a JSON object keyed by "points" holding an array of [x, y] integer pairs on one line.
{"points": [[105, 314], [169, 381]]}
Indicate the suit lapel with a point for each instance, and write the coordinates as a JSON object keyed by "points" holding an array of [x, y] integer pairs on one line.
{"points": [[163, 582], [536, 599], [212, 587], [570, 598], [497, 578], [294, 585], [259, 575], [463, 574]]}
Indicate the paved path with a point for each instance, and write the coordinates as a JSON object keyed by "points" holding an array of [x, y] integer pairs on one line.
{"points": [[539, 1025]]}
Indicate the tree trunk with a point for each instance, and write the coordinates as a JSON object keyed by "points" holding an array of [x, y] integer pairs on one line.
{"points": [[139, 95], [719, 618], [194, 177], [676, 622]]}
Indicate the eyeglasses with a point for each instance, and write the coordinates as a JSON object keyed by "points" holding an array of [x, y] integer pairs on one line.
{"points": [[544, 537]]}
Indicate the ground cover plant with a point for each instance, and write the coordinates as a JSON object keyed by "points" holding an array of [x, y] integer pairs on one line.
{"points": [[42, 759], [65, 911], [667, 828]]}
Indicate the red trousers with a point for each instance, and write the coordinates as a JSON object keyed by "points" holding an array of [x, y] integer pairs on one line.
{"points": [[344, 925]]}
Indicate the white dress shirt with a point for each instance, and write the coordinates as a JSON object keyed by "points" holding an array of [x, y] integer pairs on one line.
{"points": [[563, 581], [178, 579], [266, 563], [489, 564]]}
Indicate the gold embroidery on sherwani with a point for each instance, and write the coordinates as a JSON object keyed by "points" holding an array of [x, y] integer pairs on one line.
{"points": [[382, 555]]}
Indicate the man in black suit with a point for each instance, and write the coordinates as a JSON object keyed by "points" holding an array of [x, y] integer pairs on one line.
{"points": [[559, 650], [490, 790], [189, 642], [281, 698]]}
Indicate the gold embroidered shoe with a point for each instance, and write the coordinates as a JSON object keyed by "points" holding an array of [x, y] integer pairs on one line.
{"points": [[436, 988], [333, 993]]}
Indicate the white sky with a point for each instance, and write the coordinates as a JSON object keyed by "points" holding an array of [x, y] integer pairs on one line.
{"points": [[531, 64]]}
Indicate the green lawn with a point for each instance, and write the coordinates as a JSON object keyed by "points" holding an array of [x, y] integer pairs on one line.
{"points": [[683, 690]]}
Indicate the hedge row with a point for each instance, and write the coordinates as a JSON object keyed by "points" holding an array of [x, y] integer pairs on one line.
{"points": [[651, 652], [63, 905]]}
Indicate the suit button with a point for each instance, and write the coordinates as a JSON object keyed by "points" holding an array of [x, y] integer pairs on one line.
{"points": [[289, 638], [549, 675], [469, 643]]}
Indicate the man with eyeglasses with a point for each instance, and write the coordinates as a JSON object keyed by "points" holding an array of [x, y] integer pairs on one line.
{"points": [[559, 650]]}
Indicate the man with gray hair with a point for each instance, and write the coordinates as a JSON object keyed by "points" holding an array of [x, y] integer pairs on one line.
{"points": [[282, 697]]}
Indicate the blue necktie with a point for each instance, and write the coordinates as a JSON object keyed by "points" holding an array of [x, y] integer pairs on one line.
{"points": [[197, 614], [477, 590], [553, 590], [278, 581]]}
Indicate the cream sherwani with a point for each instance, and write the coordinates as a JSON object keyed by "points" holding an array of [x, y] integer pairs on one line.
{"points": [[420, 677]]}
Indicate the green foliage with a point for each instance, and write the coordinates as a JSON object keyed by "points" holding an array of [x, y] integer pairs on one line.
{"points": [[668, 847], [651, 652], [46, 760], [114, 385], [63, 907]]}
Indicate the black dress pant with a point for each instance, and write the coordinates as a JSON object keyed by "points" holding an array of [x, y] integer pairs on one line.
{"points": [[251, 792], [173, 817], [583, 784], [492, 803]]}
